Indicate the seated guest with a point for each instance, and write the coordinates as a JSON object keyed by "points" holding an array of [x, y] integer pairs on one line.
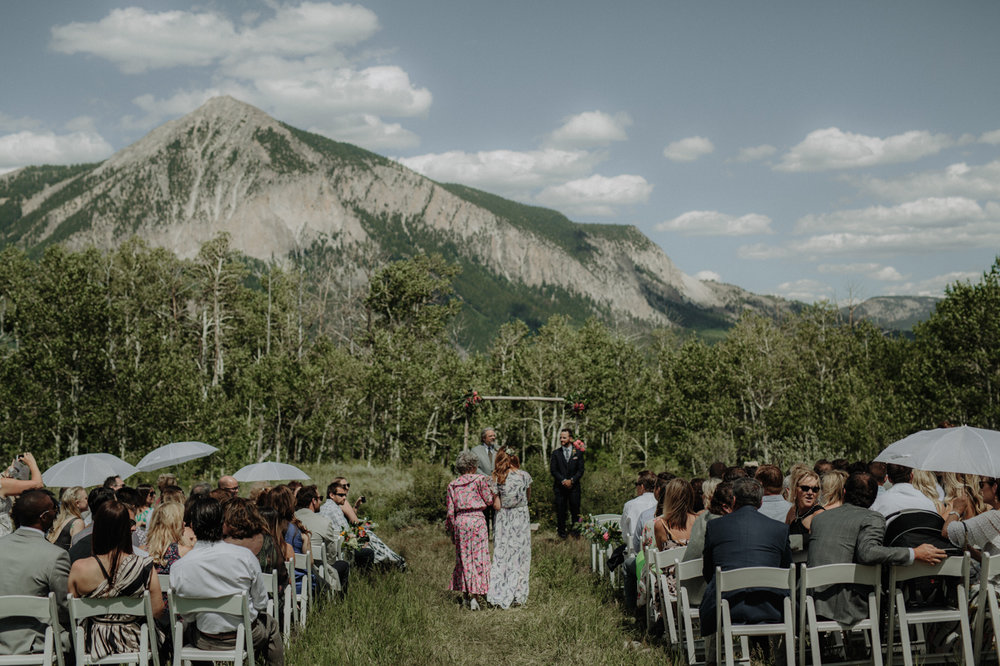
{"points": [[927, 483], [230, 485], [172, 494], [774, 505], [733, 473], [671, 529], [131, 498], [215, 568], [853, 533], [221, 496], [343, 514], [242, 525], [744, 538], [167, 540], [699, 500], [274, 550], [115, 571], [981, 532], [878, 472], [113, 482], [902, 495], [307, 502], [80, 543], [805, 491], [822, 466], [642, 534], [296, 535], [719, 497], [966, 487], [717, 469], [70, 520], [32, 566], [147, 497], [200, 488], [644, 499]]}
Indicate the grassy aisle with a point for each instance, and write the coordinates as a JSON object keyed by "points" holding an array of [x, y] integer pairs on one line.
{"points": [[394, 618]]}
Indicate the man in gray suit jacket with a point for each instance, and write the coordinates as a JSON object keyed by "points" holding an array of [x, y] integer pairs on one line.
{"points": [[486, 451], [854, 533], [30, 565]]}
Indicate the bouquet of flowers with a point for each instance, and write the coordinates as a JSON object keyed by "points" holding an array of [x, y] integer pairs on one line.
{"points": [[602, 533], [357, 536], [471, 401]]}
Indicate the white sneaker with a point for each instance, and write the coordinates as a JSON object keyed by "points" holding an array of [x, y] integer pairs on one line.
{"points": [[474, 605]]}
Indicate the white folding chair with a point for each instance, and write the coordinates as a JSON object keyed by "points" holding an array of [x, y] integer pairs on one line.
{"points": [[237, 604], [987, 605], [664, 562], [690, 589], [279, 603], [45, 611], [140, 607], [838, 574], [302, 562], [753, 577], [164, 582], [956, 566]]}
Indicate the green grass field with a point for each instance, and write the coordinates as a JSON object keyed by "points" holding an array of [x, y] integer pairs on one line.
{"points": [[410, 618]]}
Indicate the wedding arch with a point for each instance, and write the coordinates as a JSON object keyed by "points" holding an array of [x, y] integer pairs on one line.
{"points": [[549, 431]]}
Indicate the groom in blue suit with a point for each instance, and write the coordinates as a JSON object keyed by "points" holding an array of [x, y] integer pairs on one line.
{"points": [[566, 467], [744, 538]]}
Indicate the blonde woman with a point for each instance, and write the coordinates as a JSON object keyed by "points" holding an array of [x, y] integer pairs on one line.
{"points": [[805, 503], [165, 539], [832, 484], [70, 519], [966, 488], [927, 485]]}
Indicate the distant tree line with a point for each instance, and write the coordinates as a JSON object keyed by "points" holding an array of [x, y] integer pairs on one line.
{"points": [[127, 350]]}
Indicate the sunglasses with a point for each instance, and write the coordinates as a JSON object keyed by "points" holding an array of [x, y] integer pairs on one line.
{"points": [[809, 489], [989, 482], [341, 494], [345, 485]]}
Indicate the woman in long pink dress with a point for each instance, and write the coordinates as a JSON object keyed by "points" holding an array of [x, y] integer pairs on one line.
{"points": [[468, 496]]}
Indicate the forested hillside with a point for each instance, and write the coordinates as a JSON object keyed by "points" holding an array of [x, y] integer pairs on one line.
{"points": [[123, 351]]}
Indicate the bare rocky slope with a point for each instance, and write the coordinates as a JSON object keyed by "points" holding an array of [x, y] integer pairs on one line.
{"points": [[229, 167]]}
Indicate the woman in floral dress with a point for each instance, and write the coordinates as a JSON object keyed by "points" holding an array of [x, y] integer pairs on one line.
{"points": [[468, 496], [512, 540]]}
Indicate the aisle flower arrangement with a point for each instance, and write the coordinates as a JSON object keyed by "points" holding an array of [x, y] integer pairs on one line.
{"points": [[603, 533], [357, 536]]}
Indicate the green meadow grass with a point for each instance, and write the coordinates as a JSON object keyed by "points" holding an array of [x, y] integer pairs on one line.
{"points": [[410, 618]]}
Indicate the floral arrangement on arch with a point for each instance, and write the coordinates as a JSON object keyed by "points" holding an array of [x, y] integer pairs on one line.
{"points": [[471, 401], [576, 405], [357, 536], [602, 533]]}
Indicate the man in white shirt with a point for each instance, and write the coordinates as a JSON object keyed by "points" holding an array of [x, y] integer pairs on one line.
{"points": [[902, 495], [774, 505], [215, 568], [307, 511], [643, 500]]}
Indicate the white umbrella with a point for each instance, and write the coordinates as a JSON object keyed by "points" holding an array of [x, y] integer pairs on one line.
{"points": [[88, 469], [269, 471], [174, 453], [963, 450]]}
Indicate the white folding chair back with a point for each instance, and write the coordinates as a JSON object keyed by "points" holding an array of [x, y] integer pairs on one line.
{"points": [[663, 563], [690, 589], [303, 562], [739, 579], [279, 606], [164, 582], [956, 566], [987, 606], [140, 607], [237, 605], [42, 609], [838, 574], [600, 553]]}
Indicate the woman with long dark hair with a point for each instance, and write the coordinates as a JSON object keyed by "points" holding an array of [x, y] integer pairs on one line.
{"points": [[512, 531], [115, 571]]}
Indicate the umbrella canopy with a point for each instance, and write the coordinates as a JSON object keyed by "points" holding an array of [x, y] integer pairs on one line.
{"points": [[88, 469], [269, 471], [174, 453], [963, 450]]}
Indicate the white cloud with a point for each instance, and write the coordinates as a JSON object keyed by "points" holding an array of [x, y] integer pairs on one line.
{"points": [[596, 195], [292, 65], [589, 129], [516, 173], [708, 276], [754, 153], [888, 274], [714, 223], [805, 290], [872, 270], [992, 138], [137, 40], [689, 149], [762, 251], [933, 286], [976, 182], [832, 148], [931, 212], [27, 147]]}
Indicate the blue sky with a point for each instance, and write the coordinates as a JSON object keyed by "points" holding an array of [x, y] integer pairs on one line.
{"points": [[836, 150]]}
